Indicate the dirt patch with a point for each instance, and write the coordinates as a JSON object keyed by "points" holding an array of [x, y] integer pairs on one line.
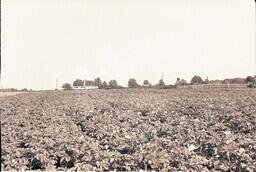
{"points": [[5, 94]]}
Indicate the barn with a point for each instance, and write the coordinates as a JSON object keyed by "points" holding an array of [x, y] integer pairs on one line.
{"points": [[85, 85]]}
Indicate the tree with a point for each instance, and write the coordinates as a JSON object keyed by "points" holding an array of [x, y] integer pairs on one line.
{"points": [[132, 83], [161, 83], [249, 79], [239, 81], [89, 83], [78, 83], [146, 82], [181, 82], [97, 82], [227, 81], [113, 84], [67, 86], [206, 81], [104, 85], [196, 80]]}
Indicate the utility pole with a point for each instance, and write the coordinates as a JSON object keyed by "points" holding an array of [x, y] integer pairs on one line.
{"points": [[255, 33], [0, 71], [57, 84], [0, 50]]}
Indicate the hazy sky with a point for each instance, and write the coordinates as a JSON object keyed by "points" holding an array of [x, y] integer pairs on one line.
{"points": [[45, 40]]}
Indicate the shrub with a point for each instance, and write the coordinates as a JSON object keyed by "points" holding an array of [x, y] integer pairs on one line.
{"points": [[67, 86], [146, 82], [78, 82], [181, 82]]}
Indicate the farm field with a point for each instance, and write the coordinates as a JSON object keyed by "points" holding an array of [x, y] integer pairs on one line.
{"points": [[129, 129]]}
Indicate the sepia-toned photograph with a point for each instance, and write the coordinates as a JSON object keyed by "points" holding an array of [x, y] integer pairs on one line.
{"points": [[128, 85]]}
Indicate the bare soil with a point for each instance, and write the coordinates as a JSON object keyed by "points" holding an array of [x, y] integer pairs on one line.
{"points": [[5, 94], [175, 130]]}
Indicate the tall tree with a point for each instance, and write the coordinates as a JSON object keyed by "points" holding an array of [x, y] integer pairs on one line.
{"points": [[104, 85], [161, 82], [97, 82], [113, 84]]}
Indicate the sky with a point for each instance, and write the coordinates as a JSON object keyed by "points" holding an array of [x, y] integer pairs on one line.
{"points": [[45, 40]]}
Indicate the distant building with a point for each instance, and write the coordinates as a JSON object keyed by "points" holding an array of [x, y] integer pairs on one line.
{"points": [[88, 85]]}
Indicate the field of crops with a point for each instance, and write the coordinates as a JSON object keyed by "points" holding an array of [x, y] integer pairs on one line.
{"points": [[176, 130]]}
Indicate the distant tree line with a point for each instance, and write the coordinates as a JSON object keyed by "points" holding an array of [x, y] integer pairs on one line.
{"points": [[15, 90], [132, 83], [112, 84]]}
